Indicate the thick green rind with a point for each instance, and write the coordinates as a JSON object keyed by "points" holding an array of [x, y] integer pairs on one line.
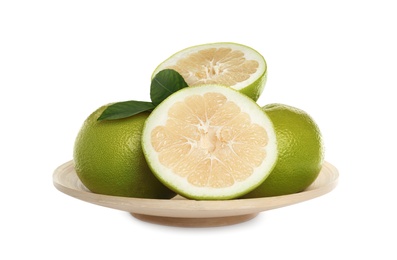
{"points": [[255, 90]]}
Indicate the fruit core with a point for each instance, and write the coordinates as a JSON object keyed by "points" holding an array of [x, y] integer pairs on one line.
{"points": [[215, 65], [208, 140]]}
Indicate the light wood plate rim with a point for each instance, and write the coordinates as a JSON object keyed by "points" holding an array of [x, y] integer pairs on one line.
{"points": [[178, 211]]}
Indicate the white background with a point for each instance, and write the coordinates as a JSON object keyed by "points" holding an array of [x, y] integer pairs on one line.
{"points": [[60, 60]]}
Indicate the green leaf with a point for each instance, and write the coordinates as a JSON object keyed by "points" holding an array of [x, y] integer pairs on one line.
{"points": [[164, 84], [125, 109]]}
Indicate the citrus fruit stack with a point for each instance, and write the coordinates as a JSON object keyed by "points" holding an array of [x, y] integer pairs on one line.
{"points": [[207, 141]]}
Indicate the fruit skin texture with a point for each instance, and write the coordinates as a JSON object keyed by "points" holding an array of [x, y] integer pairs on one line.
{"points": [[109, 160], [301, 152]]}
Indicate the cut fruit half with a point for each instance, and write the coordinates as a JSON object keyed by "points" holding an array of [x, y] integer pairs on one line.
{"points": [[209, 142], [237, 66]]}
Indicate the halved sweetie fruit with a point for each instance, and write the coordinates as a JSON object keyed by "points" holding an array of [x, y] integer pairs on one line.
{"points": [[231, 64], [209, 142]]}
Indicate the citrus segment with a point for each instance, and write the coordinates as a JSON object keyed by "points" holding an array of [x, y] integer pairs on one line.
{"points": [[237, 66], [209, 142]]}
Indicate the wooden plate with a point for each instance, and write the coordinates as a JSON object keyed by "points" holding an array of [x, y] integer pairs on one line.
{"points": [[191, 213]]}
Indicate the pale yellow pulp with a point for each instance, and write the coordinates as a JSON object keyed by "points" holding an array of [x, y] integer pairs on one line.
{"points": [[215, 65], [209, 141]]}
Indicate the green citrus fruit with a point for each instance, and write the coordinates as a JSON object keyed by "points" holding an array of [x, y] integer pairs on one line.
{"points": [[209, 142], [300, 151], [109, 160], [237, 66]]}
